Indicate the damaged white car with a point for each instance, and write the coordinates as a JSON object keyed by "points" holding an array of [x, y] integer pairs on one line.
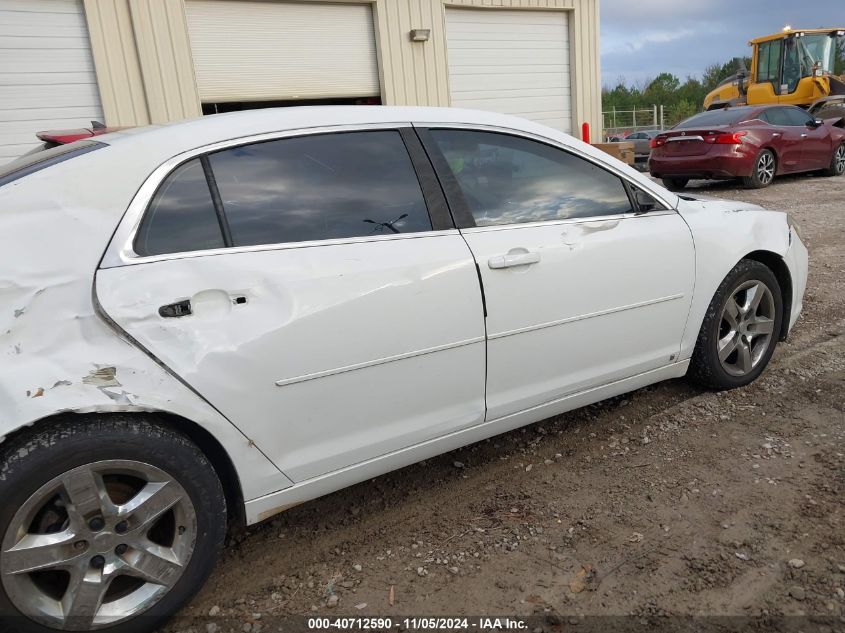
{"points": [[216, 320]]}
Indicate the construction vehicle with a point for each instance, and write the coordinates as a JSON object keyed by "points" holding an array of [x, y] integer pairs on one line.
{"points": [[794, 67]]}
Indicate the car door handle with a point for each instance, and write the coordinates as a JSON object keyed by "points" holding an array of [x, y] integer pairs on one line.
{"points": [[804, 135], [512, 259], [775, 133], [175, 310]]}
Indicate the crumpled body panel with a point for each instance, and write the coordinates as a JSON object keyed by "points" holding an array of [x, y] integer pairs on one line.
{"points": [[59, 354]]}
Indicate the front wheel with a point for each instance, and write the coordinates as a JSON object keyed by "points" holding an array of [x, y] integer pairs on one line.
{"points": [[740, 329], [763, 172], [837, 162], [108, 523]]}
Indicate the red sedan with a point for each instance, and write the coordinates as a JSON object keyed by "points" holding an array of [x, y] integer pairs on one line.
{"points": [[754, 143]]}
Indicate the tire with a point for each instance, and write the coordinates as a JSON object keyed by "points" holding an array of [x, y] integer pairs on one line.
{"points": [[837, 162], [736, 369], [763, 173], [181, 511], [675, 184]]}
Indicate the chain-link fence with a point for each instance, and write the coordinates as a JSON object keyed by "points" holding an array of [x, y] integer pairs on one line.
{"points": [[621, 123]]}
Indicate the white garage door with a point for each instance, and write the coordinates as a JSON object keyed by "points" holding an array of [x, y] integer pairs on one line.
{"points": [[47, 78], [261, 51], [514, 62]]}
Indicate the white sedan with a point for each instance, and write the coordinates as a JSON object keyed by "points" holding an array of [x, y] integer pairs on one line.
{"points": [[220, 319]]}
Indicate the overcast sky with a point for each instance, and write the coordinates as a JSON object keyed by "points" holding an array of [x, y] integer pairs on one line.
{"points": [[641, 38]]}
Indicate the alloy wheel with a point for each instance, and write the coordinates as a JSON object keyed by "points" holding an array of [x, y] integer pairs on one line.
{"points": [[97, 545], [766, 168], [746, 328], [839, 160]]}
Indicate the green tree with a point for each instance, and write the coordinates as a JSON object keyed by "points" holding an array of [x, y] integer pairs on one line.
{"points": [[662, 89]]}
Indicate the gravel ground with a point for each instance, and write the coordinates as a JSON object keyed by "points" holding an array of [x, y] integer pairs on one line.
{"points": [[667, 501]]}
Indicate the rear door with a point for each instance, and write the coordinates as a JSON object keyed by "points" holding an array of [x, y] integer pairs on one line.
{"points": [[312, 293], [789, 139], [580, 291]]}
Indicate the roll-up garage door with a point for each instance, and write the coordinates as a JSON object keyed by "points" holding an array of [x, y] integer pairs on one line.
{"points": [[514, 62], [263, 51], [47, 78]]}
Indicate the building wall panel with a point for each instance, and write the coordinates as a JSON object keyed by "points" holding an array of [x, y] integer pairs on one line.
{"points": [[144, 65]]}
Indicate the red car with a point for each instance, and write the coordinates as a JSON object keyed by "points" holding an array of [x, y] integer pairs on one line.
{"points": [[754, 143]]}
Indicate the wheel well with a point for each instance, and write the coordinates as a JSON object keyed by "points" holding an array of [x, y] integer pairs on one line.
{"points": [[776, 264], [774, 153], [206, 442]]}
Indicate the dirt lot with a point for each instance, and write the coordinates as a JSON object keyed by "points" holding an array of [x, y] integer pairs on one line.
{"points": [[667, 501]]}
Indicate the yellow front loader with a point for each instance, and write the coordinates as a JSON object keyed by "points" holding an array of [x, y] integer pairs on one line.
{"points": [[795, 67]]}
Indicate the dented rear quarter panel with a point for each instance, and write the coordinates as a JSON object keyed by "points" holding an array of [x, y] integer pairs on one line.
{"points": [[724, 232], [59, 355]]}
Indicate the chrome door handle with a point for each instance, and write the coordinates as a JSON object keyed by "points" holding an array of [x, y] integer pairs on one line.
{"points": [[513, 259], [803, 136], [775, 133]]}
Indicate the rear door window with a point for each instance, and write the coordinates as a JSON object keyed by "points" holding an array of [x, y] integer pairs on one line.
{"points": [[181, 216], [320, 187]]}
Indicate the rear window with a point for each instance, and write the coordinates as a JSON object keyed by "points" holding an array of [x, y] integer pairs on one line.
{"points": [[31, 163], [728, 116]]}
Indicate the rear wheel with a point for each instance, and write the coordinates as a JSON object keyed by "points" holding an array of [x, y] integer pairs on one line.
{"points": [[675, 184], [740, 330], [106, 524], [763, 173], [837, 162]]}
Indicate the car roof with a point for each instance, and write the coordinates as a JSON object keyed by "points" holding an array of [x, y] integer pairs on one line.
{"points": [[184, 135], [142, 150], [155, 144]]}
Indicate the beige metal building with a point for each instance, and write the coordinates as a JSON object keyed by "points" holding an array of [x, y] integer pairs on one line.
{"points": [[134, 62]]}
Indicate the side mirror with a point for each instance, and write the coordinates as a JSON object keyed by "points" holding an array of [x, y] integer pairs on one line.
{"points": [[645, 202], [818, 123]]}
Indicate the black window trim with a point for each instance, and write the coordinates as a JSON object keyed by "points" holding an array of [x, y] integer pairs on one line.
{"points": [[435, 200], [216, 200], [460, 209], [430, 189]]}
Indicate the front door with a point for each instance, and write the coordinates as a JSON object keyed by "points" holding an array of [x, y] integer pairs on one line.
{"points": [[580, 291], [300, 286], [816, 144]]}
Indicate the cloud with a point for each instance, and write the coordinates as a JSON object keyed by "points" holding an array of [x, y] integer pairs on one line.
{"points": [[642, 38], [629, 43]]}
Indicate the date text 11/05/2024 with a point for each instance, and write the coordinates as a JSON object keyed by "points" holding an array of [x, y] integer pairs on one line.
{"points": [[419, 623]]}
